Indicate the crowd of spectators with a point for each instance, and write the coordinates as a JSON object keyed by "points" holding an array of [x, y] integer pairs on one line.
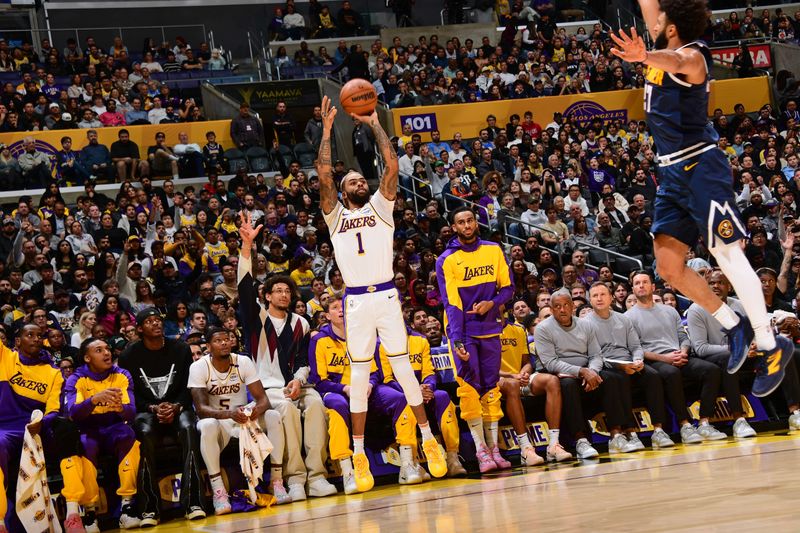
{"points": [[777, 25], [320, 23], [557, 192], [89, 88], [551, 194], [541, 59]]}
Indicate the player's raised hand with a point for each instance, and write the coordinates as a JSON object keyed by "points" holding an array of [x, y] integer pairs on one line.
{"points": [[788, 243], [369, 120], [629, 48], [246, 229], [328, 113]]}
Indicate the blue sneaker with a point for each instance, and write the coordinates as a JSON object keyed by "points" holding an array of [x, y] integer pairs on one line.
{"points": [[771, 367], [740, 337]]}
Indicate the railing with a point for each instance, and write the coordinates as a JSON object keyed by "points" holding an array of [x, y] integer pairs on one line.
{"points": [[558, 252], [465, 9], [473, 205], [510, 236], [136, 34], [414, 196], [629, 19], [608, 252]]}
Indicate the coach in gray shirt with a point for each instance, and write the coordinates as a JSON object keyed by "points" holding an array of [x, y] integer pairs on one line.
{"points": [[666, 348], [567, 347], [619, 342]]}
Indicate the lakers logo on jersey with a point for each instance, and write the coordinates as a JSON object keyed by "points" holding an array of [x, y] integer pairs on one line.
{"points": [[360, 222], [474, 272], [222, 390], [654, 76], [30, 384], [338, 360]]}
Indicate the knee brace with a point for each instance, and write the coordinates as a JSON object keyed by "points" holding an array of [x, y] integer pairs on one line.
{"points": [[359, 383], [404, 374]]}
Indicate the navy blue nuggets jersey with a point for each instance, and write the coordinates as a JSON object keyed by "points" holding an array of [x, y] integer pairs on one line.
{"points": [[677, 111], [695, 190]]}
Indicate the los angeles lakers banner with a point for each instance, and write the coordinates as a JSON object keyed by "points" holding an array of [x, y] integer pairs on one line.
{"points": [[468, 119], [49, 142]]}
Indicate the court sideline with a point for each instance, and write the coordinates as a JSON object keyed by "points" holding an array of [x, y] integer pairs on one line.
{"points": [[714, 486]]}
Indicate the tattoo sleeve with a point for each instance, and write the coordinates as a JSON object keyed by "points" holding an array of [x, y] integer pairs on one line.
{"points": [[324, 165], [390, 165]]}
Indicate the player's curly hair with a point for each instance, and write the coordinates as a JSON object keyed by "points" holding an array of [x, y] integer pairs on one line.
{"points": [[689, 16]]}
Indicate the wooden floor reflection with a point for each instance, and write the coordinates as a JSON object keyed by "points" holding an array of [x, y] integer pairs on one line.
{"points": [[710, 487]]}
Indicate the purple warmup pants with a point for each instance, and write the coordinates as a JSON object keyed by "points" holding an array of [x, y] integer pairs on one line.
{"points": [[116, 439], [482, 370]]}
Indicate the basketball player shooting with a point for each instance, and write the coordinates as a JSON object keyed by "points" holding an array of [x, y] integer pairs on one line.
{"points": [[695, 196], [362, 232]]}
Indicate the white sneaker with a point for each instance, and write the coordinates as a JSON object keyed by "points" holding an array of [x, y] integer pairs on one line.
{"points": [[454, 466], [297, 493], [743, 430], [320, 487], [222, 504], [195, 512], [634, 439], [409, 475], [92, 527], [127, 518], [584, 450], [422, 472], [556, 454], [148, 520], [530, 457], [619, 444], [349, 482], [689, 435], [794, 421], [279, 491], [709, 432], [660, 439]]}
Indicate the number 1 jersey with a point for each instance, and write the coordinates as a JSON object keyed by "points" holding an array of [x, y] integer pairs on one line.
{"points": [[362, 239]]}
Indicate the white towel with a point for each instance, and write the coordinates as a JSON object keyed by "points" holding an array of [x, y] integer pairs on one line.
{"points": [[34, 505], [254, 448]]}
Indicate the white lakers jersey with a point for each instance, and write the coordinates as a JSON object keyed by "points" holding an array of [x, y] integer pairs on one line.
{"points": [[362, 239], [226, 390]]}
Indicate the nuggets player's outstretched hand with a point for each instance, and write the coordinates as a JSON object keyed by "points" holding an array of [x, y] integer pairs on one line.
{"points": [[629, 48], [247, 232]]}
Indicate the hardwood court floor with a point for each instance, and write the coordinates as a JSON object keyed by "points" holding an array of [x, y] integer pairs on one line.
{"points": [[746, 485]]}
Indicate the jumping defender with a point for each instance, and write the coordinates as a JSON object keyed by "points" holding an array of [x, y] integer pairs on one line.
{"points": [[695, 196]]}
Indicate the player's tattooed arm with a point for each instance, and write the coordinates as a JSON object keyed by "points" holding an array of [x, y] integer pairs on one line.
{"points": [[324, 162], [201, 406], [391, 167]]}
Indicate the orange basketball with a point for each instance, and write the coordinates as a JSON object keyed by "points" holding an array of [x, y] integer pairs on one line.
{"points": [[358, 96]]}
